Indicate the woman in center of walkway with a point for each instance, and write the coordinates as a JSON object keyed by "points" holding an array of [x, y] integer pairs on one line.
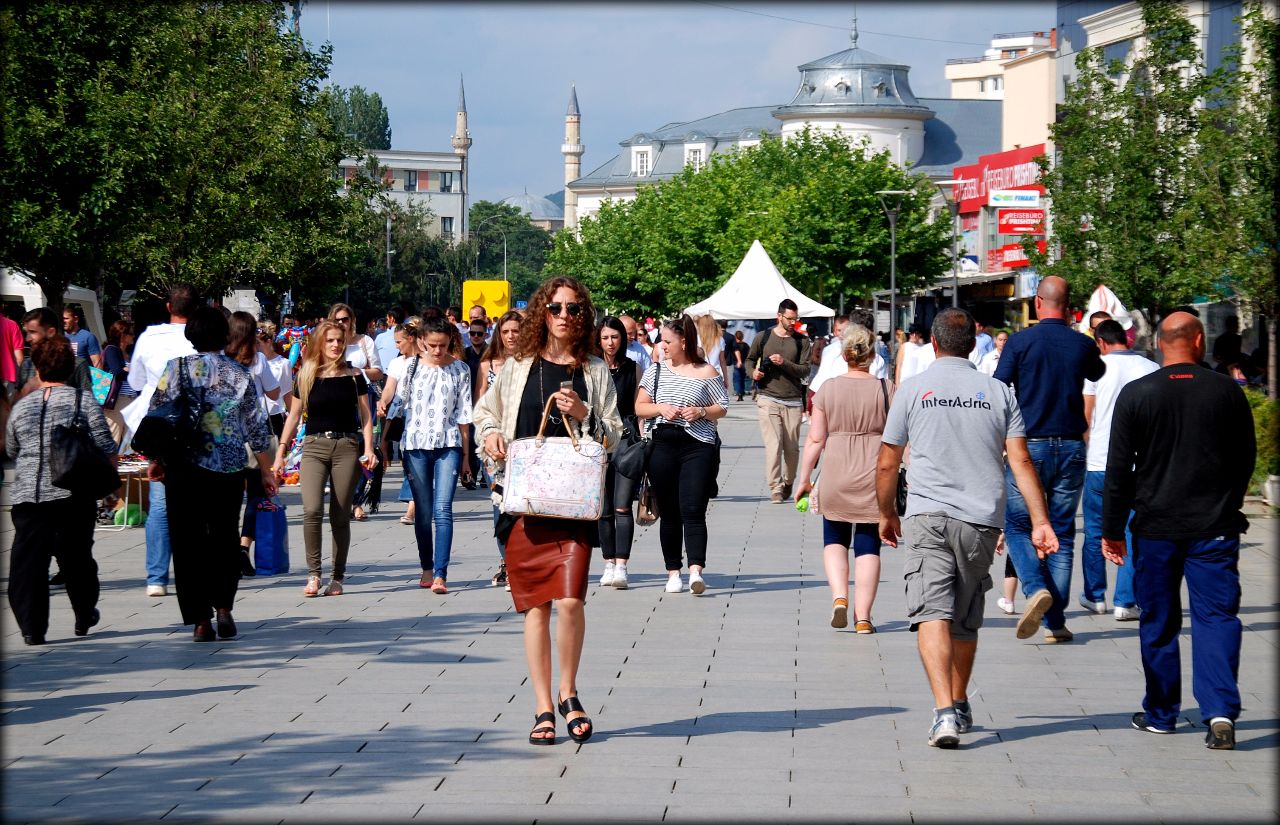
{"points": [[548, 559], [686, 396]]}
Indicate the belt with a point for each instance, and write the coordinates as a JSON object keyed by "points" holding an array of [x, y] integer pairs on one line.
{"points": [[1054, 438], [331, 434]]}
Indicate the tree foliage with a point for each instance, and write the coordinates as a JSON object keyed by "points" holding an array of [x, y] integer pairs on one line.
{"points": [[175, 142], [527, 246], [811, 202], [359, 114]]}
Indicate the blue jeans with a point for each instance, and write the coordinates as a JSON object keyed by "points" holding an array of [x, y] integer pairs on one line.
{"points": [[1211, 567], [157, 533], [1060, 465], [433, 477], [1093, 567], [739, 380]]}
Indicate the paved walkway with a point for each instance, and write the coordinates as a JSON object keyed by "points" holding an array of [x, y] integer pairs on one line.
{"points": [[390, 703]]}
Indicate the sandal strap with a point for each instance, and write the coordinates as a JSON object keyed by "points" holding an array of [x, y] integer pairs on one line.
{"points": [[570, 705], [574, 725], [545, 716]]}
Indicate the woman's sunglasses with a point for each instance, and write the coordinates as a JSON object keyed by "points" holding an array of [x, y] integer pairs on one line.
{"points": [[574, 309]]}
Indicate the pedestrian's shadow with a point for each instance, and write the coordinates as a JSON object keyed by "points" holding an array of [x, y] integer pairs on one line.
{"points": [[763, 721], [1268, 730]]}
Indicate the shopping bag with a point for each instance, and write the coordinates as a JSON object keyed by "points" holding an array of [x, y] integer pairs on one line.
{"points": [[271, 539], [558, 477]]}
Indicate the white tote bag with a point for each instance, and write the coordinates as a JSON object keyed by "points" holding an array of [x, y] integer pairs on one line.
{"points": [[558, 477]]}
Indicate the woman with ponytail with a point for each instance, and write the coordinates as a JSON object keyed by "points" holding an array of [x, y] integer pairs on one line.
{"points": [[685, 395]]}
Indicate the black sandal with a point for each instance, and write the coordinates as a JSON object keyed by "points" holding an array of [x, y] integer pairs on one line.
{"points": [[568, 706], [538, 722]]}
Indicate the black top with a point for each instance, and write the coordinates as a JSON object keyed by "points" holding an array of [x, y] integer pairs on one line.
{"points": [[333, 404], [1181, 455], [113, 361], [544, 380], [744, 348], [624, 381]]}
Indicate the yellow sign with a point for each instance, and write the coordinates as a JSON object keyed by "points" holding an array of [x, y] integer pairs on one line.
{"points": [[494, 296]]}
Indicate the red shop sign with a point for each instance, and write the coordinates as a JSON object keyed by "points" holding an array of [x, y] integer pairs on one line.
{"points": [[1015, 169], [1020, 221], [1010, 256]]}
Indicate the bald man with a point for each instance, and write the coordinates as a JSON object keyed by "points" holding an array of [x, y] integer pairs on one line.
{"points": [[1181, 455], [635, 350], [1047, 365]]}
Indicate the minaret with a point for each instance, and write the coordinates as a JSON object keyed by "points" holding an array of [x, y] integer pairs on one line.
{"points": [[461, 143], [572, 151]]}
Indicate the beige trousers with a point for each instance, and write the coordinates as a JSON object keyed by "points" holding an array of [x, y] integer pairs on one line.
{"points": [[780, 429], [336, 460]]}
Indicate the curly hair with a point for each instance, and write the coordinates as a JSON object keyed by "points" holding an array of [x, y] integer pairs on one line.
{"points": [[534, 332]]}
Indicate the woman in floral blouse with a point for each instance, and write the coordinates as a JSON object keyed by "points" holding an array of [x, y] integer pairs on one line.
{"points": [[436, 392], [204, 490]]}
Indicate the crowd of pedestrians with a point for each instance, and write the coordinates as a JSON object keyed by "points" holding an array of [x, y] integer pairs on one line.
{"points": [[979, 443]]}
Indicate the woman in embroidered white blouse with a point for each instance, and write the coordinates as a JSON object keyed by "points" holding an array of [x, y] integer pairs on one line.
{"points": [[436, 392]]}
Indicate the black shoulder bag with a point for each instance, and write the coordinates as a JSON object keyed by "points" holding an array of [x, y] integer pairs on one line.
{"points": [[168, 432], [75, 461], [900, 496]]}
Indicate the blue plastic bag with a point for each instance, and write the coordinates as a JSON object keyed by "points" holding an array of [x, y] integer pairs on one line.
{"points": [[271, 542]]}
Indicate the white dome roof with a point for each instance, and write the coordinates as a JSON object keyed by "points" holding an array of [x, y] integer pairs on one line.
{"points": [[538, 209]]}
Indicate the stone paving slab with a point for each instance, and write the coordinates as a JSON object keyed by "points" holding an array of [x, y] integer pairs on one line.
{"points": [[394, 704]]}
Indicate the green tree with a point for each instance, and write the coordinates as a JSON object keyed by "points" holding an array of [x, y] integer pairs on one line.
{"points": [[186, 142], [360, 115], [1122, 188], [811, 202], [527, 246]]}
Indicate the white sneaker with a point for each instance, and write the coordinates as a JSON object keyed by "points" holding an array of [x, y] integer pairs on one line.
{"points": [[1005, 605], [696, 584], [157, 590], [1099, 607], [620, 577], [1127, 614], [674, 585], [606, 578]]}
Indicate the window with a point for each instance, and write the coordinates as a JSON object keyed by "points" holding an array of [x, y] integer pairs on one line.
{"points": [[446, 225], [982, 85], [694, 158], [642, 164], [446, 183], [411, 180]]}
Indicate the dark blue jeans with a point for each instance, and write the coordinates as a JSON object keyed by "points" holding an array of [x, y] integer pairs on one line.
{"points": [[1211, 568], [1093, 567], [433, 477], [1060, 465]]}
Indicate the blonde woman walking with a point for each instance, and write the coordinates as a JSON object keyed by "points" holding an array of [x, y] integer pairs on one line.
{"points": [[338, 442], [848, 418]]}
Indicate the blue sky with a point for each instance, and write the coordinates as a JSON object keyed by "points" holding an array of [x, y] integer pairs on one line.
{"points": [[637, 66]]}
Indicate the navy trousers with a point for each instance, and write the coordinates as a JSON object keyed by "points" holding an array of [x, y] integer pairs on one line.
{"points": [[1211, 568]]}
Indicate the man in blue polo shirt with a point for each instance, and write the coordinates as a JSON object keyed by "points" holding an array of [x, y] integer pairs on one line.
{"points": [[1047, 365]]}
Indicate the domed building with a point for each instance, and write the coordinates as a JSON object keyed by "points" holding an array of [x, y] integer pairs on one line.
{"points": [[853, 92], [542, 212]]}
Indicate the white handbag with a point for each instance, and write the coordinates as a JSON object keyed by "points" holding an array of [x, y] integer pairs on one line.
{"points": [[557, 477]]}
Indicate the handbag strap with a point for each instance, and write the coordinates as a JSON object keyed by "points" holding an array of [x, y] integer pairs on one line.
{"points": [[885, 392], [546, 413]]}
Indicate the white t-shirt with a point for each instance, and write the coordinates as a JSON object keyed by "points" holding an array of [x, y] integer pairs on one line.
{"points": [[264, 378], [156, 346], [283, 374], [362, 354], [989, 362], [917, 360], [1122, 367]]}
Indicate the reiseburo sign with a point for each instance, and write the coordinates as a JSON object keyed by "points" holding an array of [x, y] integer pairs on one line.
{"points": [[998, 172], [1020, 221]]}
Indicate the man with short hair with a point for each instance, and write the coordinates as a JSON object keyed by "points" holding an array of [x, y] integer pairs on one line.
{"points": [[83, 342], [1123, 367], [1181, 454], [1047, 365], [960, 424], [385, 343], [1098, 317], [37, 325], [982, 343], [779, 363], [156, 346], [635, 349]]}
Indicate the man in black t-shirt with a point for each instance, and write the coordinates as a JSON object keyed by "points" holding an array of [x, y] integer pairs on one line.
{"points": [[1181, 455]]}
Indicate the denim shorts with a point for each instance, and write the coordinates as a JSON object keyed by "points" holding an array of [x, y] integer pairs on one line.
{"points": [[863, 538], [947, 568]]}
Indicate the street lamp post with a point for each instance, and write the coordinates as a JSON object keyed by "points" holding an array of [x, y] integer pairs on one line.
{"points": [[390, 251], [891, 202], [946, 187], [476, 230]]}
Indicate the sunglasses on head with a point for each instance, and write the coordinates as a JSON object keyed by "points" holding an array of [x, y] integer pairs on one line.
{"points": [[574, 309]]}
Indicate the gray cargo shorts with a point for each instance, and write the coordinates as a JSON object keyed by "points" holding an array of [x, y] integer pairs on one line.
{"points": [[947, 571]]}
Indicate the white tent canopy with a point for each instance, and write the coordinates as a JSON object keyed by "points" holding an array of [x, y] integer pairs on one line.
{"points": [[754, 291]]}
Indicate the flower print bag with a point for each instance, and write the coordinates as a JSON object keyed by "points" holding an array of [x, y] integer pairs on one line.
{"points": [[558, 477]]}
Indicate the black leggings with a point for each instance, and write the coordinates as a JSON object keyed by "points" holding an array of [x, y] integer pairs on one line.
{"points": [[682, 471], [618, 523]]}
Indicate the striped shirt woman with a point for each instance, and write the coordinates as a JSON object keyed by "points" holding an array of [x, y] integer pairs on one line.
{"points": [[684, 395]]}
